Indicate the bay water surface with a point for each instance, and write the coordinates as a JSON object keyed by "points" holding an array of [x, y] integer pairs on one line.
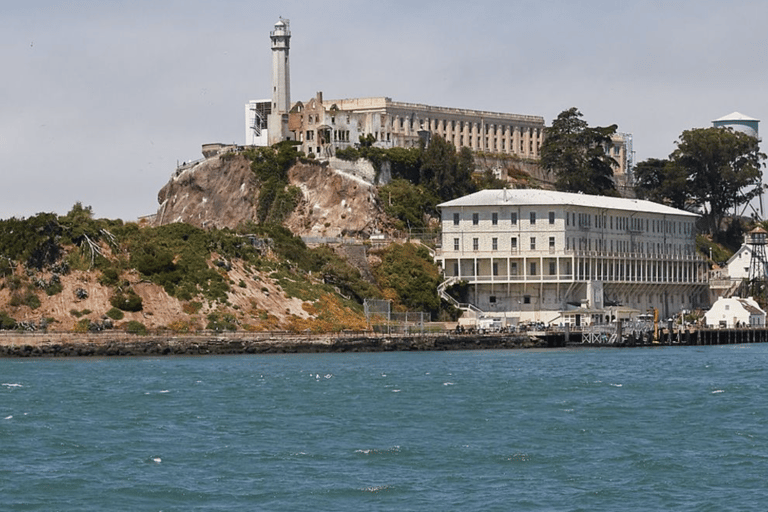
{"points": [[668, 428]]}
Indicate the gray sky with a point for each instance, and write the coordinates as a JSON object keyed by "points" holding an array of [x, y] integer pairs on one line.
{"points": [[100, 98]]}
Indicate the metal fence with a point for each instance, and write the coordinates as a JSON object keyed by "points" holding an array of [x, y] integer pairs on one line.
{"points": [[381, 319]]}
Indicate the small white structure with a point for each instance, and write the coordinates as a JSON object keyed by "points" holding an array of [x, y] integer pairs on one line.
{"points": [[738, 264], [735, 312]]}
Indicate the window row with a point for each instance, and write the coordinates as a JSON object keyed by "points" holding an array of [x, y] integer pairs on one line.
{"points": [[587, 220], [495, 218], [513, 245]]}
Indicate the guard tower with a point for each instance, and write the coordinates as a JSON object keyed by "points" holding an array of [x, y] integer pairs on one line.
{"points": [[758, 265], [281, 82]]}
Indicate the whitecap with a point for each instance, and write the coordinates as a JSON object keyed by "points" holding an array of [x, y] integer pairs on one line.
{"points": [[376, 488], [8, 417], [718, 391], [328, 375], [10, 385], [617, 385], [395, 390], [157, 460], [447, 383], [165, 391]]}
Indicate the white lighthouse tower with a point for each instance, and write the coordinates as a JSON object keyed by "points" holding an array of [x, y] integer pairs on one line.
{"points": [[281, 82]]}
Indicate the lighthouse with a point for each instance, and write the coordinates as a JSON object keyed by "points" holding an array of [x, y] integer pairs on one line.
{"points": [[281, 82]]}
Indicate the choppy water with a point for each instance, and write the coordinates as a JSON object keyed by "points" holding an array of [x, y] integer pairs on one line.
{"points": [[673, 428]]}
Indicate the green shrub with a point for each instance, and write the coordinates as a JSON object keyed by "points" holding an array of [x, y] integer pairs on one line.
{"points": [[221, 322], [6, 322], [135, 327], [109, 277], [115, 314], [128, 301]]}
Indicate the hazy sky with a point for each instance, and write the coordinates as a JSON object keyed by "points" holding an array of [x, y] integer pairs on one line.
{"points": [[101, 98]]}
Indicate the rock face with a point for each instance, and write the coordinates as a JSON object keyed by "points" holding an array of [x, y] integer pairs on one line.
{"points": [[223, 192], [334, 203], [214, 193]]}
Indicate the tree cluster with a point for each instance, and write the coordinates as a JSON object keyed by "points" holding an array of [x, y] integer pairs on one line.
{"points": [[577, 155], [712, 170]]}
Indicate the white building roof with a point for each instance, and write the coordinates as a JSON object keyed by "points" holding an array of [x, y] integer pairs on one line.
{"points": [[735, 116], [532, 197]]}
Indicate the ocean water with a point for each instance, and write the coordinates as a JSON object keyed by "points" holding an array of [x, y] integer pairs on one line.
{"points": [[668, 428]]}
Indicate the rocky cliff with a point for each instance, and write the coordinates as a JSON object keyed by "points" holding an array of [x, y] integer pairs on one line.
{"points": [[222, 192]]}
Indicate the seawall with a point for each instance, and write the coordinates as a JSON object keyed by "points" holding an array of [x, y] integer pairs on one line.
{"points": [[104, 345]]}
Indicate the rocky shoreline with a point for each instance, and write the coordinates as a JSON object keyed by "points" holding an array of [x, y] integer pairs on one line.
{"points": [[108, 346]]}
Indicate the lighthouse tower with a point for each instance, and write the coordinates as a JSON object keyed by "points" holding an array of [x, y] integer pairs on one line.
{"points": [[281, 82]]}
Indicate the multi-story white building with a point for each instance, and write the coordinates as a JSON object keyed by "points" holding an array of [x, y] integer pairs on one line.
{"points": [[555, 257]]}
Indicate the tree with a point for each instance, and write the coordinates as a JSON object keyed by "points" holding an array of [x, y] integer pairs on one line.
{"points": [[723, 170], [661, 181], [576, 154], [443, 170]]}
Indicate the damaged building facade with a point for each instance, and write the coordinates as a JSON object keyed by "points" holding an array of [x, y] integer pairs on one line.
{"points": [[323, 126]]}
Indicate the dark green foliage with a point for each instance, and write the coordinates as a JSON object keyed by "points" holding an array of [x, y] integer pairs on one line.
{"points": [[271, 165], [6, 267], [349, 154], [487, 180], [175, 256], [109, 276], [135, 327], [25, 298], [445, 171], [127, 301], [576, 155], [34, 241], [218, 321], [723, 170], [6, 322], [340, 274], [408, 203], [53, 286], [409, 271], [661, 181], [115, 314]]}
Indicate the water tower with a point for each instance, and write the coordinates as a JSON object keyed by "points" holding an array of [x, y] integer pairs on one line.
{"points": [[758, 263], [740, 123]]}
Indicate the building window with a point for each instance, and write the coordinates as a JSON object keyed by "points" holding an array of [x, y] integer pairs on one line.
{"points": [[533, 217], [533, 243], [492, 299], [533, 268], [455, 219], [513, 218], [475, 219], [455, 244], [552, 268], [495, 218], [494, 244], [475, 244], [551, 217], [495, 268], [513, 268], [526, 299], [551, 242]]}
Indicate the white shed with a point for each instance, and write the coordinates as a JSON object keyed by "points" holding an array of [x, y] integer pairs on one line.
{"points": [[735, 312]]}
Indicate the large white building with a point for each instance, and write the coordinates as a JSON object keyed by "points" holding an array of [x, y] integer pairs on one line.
{"points": [[555, 257]]}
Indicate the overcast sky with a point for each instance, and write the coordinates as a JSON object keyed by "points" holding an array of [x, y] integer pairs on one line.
{"points": [[101, 98]]}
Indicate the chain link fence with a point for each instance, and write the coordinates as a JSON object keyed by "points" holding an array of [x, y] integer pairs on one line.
{"points": [[381, 319]]}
